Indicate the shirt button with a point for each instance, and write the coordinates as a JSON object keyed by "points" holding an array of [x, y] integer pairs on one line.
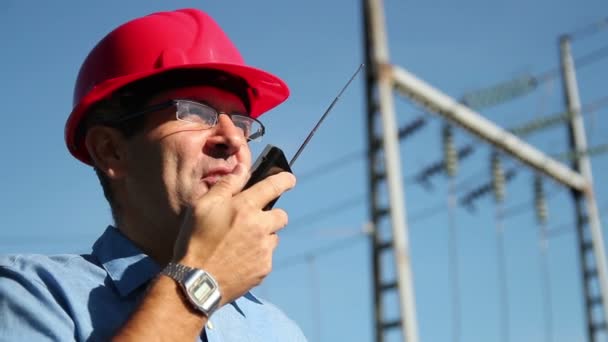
{"points": [[209, 325]]}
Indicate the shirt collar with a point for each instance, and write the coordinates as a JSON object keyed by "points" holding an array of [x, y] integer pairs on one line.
{"points": [[129, 268]]}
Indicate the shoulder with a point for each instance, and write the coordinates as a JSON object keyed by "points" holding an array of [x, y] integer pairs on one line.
{"points": [[38, 264], [27, 260], [38, 295], [44, 269]]}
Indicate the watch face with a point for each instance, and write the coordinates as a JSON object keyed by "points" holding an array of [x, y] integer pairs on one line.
{"points": [[201, 289]]}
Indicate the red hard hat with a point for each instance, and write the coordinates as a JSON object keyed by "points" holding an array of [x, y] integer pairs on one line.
{"points": [[187, 39]]}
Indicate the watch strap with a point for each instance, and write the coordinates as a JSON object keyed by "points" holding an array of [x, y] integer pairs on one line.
{"points": [[190, 279], [177, 271]]}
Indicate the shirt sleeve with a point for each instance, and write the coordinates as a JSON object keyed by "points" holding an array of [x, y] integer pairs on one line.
{"points": [[29, 311]]}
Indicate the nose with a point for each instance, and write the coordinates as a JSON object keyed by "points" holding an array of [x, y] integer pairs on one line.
{"points": [[226, 139]]}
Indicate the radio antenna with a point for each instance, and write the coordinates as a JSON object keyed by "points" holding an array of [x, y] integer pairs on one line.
{"points": [[324, 115]]}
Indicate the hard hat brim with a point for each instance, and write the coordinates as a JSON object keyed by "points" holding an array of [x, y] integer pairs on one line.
{"points": [[266, 92]]}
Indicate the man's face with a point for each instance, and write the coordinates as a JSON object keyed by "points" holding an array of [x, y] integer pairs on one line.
{"points": [[172, 163]]}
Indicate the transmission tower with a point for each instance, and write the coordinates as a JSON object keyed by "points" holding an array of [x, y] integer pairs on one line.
{"points": [[382, 78], [385, 169], [589, 230]]}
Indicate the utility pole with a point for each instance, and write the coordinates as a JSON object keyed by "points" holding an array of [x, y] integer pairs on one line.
{"points": [[589, 230], [385, 173]]}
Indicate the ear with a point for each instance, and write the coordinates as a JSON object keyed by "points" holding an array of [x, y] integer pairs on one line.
{"points": [[107, 148]]}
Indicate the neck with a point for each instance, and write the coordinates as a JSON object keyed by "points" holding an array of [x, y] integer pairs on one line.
{"points": [[154, 239]]}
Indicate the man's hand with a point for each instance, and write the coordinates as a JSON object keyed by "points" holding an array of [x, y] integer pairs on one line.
{"points": [[228, 234]]}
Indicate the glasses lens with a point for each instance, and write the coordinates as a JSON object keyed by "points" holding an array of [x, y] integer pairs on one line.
{"points": [[207, 117], [252, 129], [196, 113]]}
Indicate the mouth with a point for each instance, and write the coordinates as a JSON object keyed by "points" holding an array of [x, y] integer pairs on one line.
{"points": [[213, 176]]}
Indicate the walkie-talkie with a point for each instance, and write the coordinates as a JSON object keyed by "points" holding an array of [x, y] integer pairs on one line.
{"points": [[272, 159]]}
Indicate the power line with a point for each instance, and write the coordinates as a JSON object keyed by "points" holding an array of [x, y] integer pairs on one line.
{"points": [[540, 203], [418, 216], [580, 62], [323, 169], [434, 168], [557, 118], [522, 207], [589, 30], [501, 260], [567, 227], [328, 211], [466, 201], [330, 248], [421, 215], [415, 178], [530, 127], [524, 84]]}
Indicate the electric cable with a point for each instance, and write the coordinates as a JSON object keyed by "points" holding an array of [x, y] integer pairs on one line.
{"points": [[327, 211], [589, 30], [498, 185], [324, 168], [540, 204], [502, 274], [333, 165], [586, 109], [420, 215], [580, 62], [567, 227], [323, 250], [351, 157], [410, 179], [546, 281], [453, 268], [524, 206], [524, 84], [451, 158]]}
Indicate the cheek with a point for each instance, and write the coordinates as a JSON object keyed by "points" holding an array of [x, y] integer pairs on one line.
{"points": [[143, 157], [183, 168]]}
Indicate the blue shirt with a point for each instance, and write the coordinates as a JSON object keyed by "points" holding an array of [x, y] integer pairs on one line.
{"points": [[88, 297]]}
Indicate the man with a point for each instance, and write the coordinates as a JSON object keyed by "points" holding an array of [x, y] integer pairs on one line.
{"points": [[164, 107]]}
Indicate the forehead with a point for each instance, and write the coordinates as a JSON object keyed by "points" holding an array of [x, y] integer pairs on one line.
{"points": [[220, 99]]}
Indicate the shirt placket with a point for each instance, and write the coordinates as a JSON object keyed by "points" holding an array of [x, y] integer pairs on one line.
{"points": [[211, 333]]}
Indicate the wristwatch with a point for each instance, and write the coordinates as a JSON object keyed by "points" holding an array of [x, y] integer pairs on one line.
{"points": [[201, 289]]}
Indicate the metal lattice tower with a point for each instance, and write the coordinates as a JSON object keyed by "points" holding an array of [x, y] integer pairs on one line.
{"points": [[382, 79], [385, 169], [589, 230]]}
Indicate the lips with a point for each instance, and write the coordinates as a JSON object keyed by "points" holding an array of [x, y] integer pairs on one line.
{"points": [[214, 175]]}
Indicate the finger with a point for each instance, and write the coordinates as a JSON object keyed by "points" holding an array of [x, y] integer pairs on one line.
{"points": [[278, 219], [231, 184], [268, 189]]}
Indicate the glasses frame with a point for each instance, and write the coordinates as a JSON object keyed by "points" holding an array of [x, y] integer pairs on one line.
{"points": [[255, 136]]}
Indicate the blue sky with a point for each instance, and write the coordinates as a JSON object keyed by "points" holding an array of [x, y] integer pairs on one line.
{"points": [[50, 203]]}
